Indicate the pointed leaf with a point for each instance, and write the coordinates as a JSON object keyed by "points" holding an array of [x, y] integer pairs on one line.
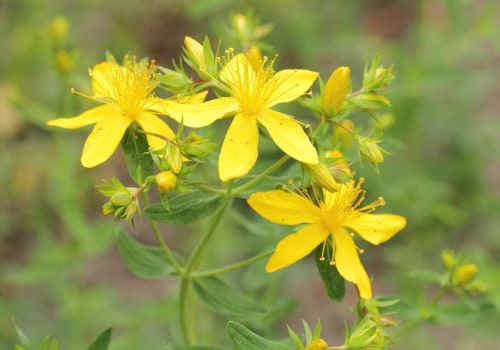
{"points": [[143, 260], [225, 299], [25, 342], [186, 208], [102, 341], [333, 282], [136, 152], [245, 339]]}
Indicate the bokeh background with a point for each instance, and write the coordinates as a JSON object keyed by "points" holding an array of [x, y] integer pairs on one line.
{"points": [[60, 271]]}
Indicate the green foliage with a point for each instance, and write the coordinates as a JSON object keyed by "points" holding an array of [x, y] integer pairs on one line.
{"points": [[186, 208], [245, 339], [102, 340], [226, 300], [333, 282], [142, 260], [136, 151]]}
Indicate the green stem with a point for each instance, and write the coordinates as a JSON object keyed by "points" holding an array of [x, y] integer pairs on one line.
{"points": [[232, 267], [190, 264], [261, 176], [161, 241]]}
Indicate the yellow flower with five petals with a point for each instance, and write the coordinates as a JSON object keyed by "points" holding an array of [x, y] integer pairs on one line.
{"points": [[254, 91], [127, 94], [329, 223]]}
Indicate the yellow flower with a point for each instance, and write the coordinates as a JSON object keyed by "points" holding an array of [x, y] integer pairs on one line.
{"points": [[333, 217], [317, 344], [127, 94], [253, 93]]}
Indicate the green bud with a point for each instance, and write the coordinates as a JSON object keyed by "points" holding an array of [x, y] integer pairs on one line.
{"points": [[448, 259], [363, 335], [120, 199], [369, 149], [174, 158]]}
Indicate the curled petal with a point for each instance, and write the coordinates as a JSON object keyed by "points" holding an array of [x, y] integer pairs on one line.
{"points": [[348, 263], [285, 208], [289, 136], [377, 228], [296, 246], [152, 124], [239, 150], [104, 138]]}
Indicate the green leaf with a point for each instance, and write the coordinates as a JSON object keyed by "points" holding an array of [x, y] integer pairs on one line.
{"points": [[333, 282], [245, 339], [186, 208], [102, 341], [25, 342], [136, 151], [142, 260], [225, 299]]}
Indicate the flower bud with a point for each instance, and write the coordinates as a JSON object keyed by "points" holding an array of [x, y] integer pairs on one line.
{"points": [[120, 198], [465, 273], [317, 344], [63, 61], [364, 335], [166, 181], [448, 259], [370, 150], [324, 177], [174, 158], [58, 30], [336, 91], [195, 51]]}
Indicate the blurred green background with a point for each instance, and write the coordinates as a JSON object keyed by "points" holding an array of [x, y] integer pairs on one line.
{"points": [[60, 272]]}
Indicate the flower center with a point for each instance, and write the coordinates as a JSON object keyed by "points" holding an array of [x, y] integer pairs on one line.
{"points": [[131, 85]]}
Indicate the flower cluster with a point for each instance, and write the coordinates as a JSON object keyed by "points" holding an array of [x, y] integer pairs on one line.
{"points": [[247, 88]]}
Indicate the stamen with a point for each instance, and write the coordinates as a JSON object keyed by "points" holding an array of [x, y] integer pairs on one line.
{"points": [[322, 258]]}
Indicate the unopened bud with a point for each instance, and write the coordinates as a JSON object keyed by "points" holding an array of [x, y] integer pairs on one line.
{"points": [[174, 158], [120, 199], [370, 150], [317, 344], [336, 91], [58, 30], [63, 61], [448, 259], [465, 273], [166, 181], [323, 176], [195, 49]]}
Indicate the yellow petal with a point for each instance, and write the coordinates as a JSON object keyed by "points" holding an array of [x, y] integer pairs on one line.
{"points": [[104, 75], [238, 72], [348, 263], [198, 114], [240, 148], [289, 136], [285, 208], [153, 124], [296, 246], [289, 84], [91, 116], [104, 138], [377, 228]]}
